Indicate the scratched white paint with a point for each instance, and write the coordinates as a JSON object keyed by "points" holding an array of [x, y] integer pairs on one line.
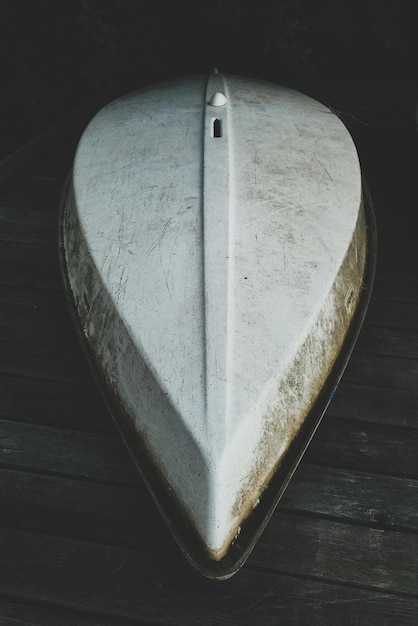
{"points": [[211, 274]]}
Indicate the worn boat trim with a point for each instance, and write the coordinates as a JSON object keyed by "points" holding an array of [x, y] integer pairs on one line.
{"points": [[166, 501]]}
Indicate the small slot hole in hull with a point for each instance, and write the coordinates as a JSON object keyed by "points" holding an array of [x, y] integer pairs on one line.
{"points": [[217, 127]]}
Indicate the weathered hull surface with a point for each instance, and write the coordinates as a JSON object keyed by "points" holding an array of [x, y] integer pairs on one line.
{"points": [[218, 254]]}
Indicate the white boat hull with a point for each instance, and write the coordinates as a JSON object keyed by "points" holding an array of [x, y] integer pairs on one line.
{"points": [[218, 253]]}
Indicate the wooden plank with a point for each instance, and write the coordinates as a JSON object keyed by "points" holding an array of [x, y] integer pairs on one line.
{"points": [[109, 580], [375, 370], [398, 288], [33, 232], [27, 274], [125, 515], [34, 183], [324, 549], [55, 165], [68, 453], [373, 500], [15, 197], [51, 403], [91, 511], [401, 342], [392, 314], [375, 404], [394, 279], [35, 316], [395, 249], [14, 612], [365, 446], [143, 586], [25, 216], [33, 254], [43, 361], [15, 163]]}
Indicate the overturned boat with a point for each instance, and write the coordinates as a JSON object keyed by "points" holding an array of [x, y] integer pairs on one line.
{"points": [[218, 247]]}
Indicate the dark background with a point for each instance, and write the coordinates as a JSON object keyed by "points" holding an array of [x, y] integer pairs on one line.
{"points": [[57, 53]]}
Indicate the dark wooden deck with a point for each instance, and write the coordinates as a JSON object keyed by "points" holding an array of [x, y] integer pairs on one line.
{"points": [[80, 539]]}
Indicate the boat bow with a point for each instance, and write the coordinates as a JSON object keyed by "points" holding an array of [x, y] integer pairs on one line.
{"points": [[216, 244]]}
